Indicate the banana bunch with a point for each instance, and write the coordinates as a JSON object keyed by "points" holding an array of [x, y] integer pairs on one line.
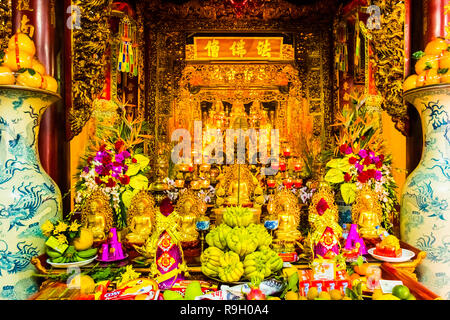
{"points": [[261, 234], [70, 255], [210, 260], [240, 241], [217, 237], [256, 266], [273, 259], [237, 216], [232, 268]]}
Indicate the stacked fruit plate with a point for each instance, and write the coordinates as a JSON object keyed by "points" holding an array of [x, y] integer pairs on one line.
{"points": [[240, 251], [432, 66], [79, 253], [19, 65]]}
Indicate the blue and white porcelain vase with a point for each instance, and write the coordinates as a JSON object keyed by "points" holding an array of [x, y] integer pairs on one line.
{"points": [[425, 203], [28, 196]]}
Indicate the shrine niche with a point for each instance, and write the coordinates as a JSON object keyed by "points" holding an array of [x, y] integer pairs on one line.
{"points": [[172, 71]]}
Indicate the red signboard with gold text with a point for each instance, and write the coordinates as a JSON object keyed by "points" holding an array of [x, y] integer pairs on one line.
{"points": [[238, 48]]}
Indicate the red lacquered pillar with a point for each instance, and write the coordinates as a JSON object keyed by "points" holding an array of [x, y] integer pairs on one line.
{"points": [[434, 19], [37, 18]]}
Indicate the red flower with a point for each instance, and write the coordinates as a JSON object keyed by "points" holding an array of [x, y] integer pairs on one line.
{"points": [[379, 164], [347, 177], [343, 148], [111, 183], [124, 179], [89, 160], [322, 206], [381, 156], [363, 177], [102, 147], [118, 145], [106, 159], [371, 173], [352, 160], [367, 161], [134, 160], [98, 181]]}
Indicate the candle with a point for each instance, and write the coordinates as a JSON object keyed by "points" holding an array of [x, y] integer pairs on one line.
{"points": [[271, 183], [195, 184], [184, 167], [287, 152], [179, 183], [282, 166], [191, 168], [298, 183], [287, 183], [297, 166]]}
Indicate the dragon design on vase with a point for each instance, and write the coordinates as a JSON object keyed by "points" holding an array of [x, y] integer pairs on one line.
{"points": [[15, 262]]}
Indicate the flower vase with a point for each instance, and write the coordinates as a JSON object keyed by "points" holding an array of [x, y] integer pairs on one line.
{"points": [[425, 202], [344, 210], [29, 197]]}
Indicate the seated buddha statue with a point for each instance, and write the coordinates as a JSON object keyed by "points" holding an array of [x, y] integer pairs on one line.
{"points": [[189, 207], [284, 205], [367, 213], [97, 215], [140, 217], [239, 185]]}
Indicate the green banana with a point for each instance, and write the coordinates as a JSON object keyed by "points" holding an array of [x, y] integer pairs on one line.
{"points": [[58, 259], [52, 253], [86, 254]]}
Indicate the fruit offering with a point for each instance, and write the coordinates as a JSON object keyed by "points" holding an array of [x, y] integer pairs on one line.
{"points": [[389, 247], [70, 255], [242, 251], [18, 65], [237, 216], [432, 66]]}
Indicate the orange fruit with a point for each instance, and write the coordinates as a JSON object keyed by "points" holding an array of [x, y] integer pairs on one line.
{"points": [[421, 79], [30, 79], [445, 77], [425, 63], [436, 46], [410, 82], [6, 76], [52, 84], [336, 294], [37, 66], [291, 295], [17, 61], [24, 44], [362, 269], [444, 61], [432, 77], [324, 295], [83, 282]]}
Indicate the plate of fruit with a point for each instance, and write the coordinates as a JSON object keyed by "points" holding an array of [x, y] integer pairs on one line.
{"points": [[389, 250], [71, 257]]}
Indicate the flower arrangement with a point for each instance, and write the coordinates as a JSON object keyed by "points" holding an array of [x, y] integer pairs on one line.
{"points": [[63, 231], [117, 166], [360, 159]]}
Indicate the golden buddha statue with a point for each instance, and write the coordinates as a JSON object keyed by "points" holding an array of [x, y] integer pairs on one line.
{"points": [[367, 213], [238, 116], [140, 217], [189, 207], [284, 205], [97, 215]]}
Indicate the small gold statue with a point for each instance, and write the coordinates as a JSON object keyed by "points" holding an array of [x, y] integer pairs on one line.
{"points": [[189, 207], [367, 213], [140, 217], [97, 215], [284, 205], [238, 184], [323, 217]]}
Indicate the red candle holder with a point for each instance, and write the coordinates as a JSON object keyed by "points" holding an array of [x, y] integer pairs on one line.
{"points": [[298, 183], [271, 183], [283, 166], [297, 167], [288, 183], [287, 152]]}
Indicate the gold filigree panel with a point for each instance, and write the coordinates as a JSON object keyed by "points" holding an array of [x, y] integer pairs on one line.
{"points": [[5, 23], [387, 44]]}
